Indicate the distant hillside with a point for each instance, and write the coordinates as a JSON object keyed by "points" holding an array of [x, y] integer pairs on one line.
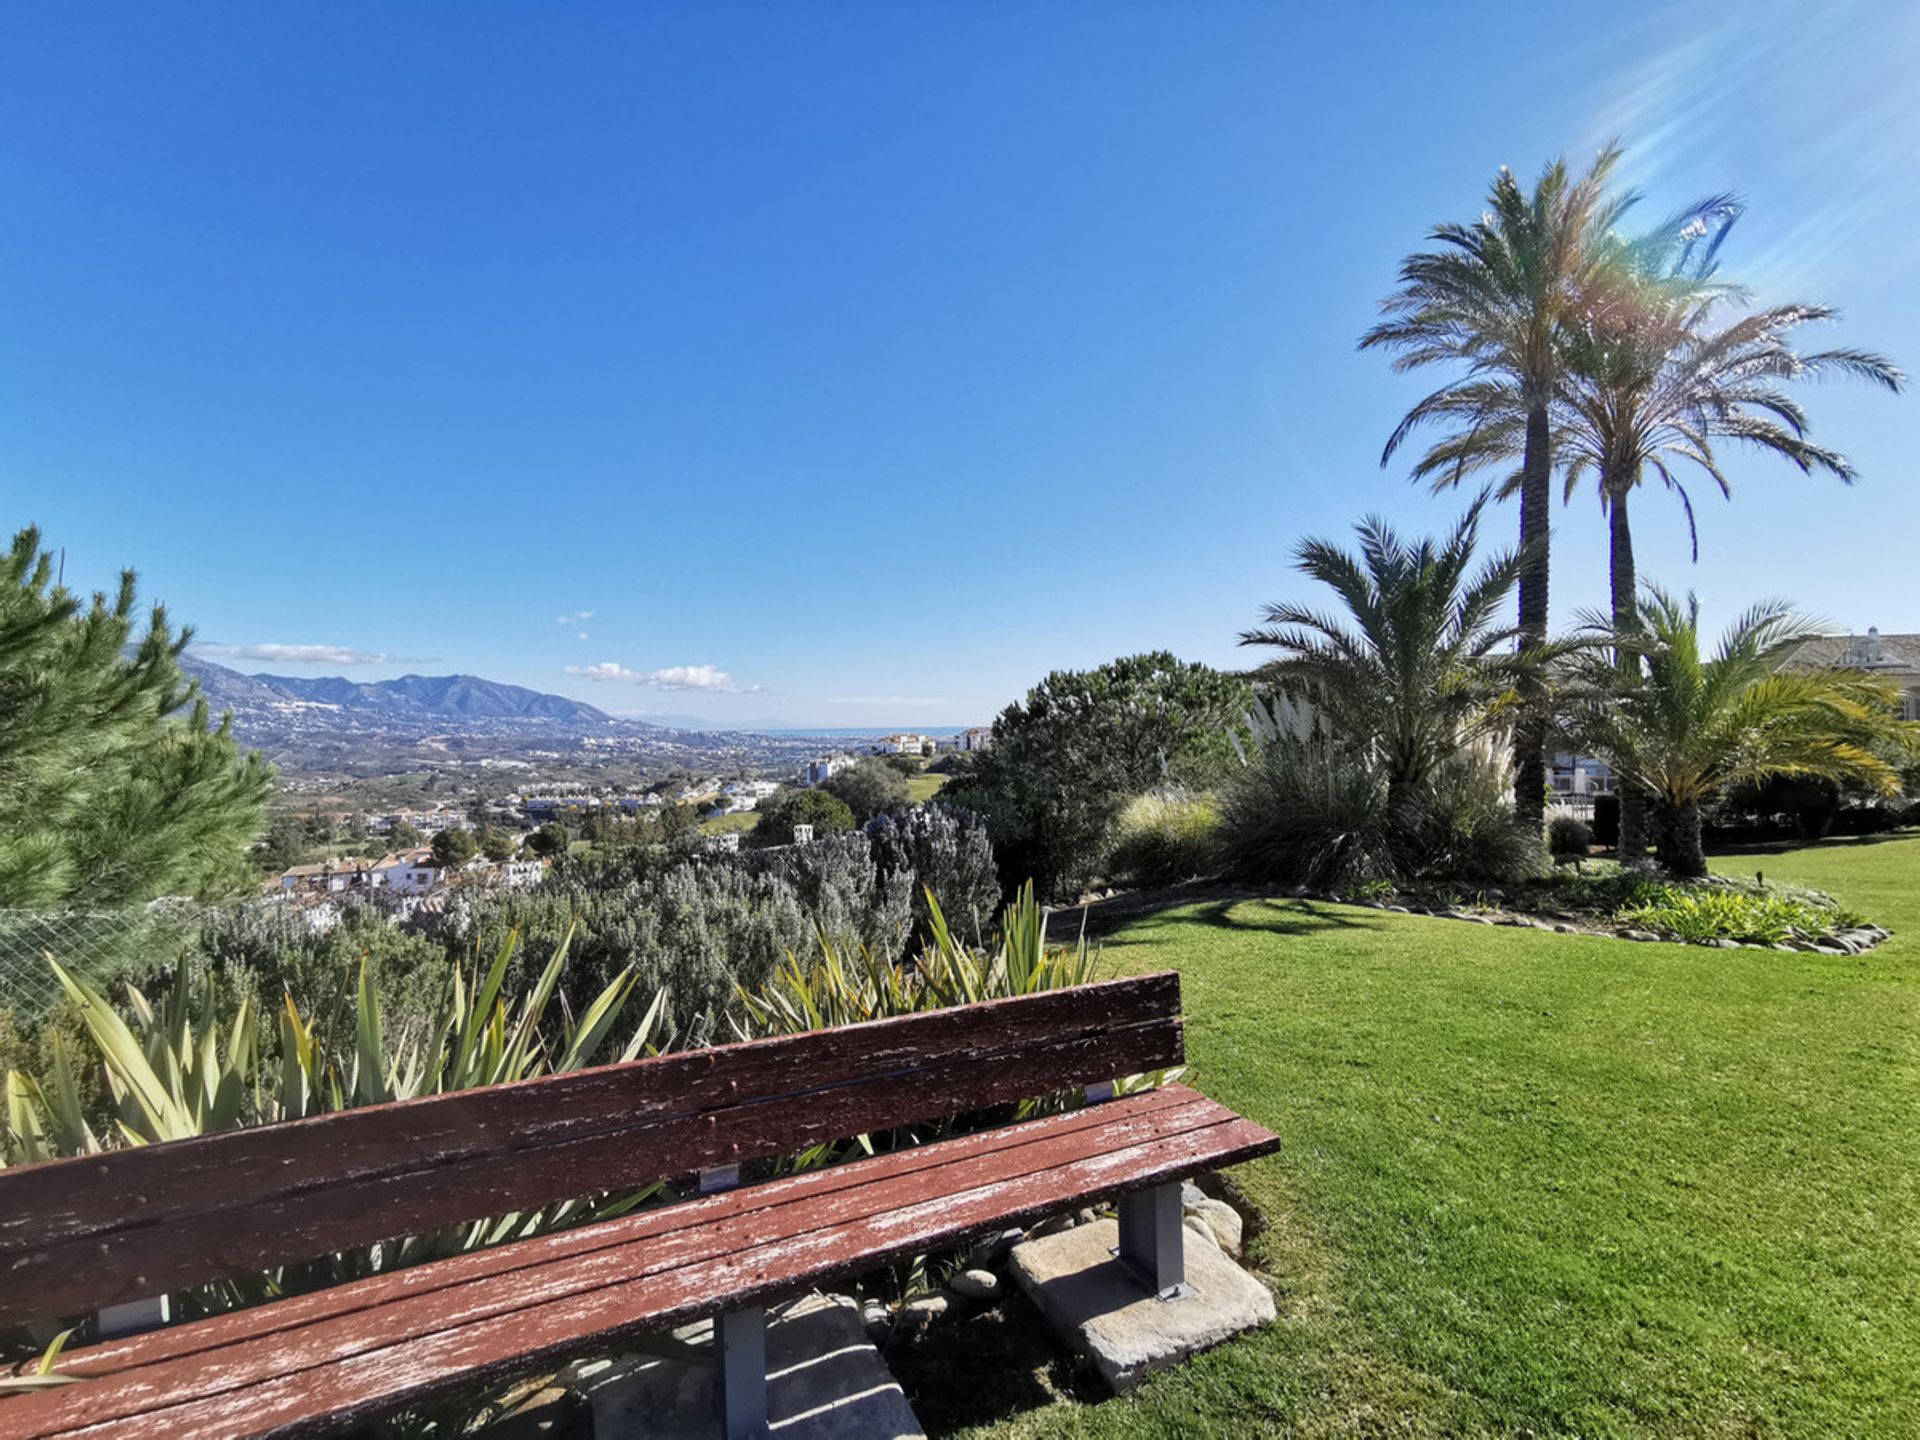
{"points": [[409, 698]]}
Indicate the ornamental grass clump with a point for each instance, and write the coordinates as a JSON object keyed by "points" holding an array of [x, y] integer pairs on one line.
{"points": [[1165, 837]]}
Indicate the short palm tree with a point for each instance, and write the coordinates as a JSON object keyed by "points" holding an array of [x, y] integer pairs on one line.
{"points": [[1493, 299], [1423, 663], [1681, 725]]}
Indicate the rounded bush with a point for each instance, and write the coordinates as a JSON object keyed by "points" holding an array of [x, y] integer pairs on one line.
{"points": [[1569, 835]]}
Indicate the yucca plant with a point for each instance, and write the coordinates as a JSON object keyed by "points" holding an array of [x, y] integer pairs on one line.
{"points": [[175, 1070], [846, 987]]}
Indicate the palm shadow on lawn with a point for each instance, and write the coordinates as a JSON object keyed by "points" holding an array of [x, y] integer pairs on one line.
{"points": [[1735, 849], [1242, 913]]}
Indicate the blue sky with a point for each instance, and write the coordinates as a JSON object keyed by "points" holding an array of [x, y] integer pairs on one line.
{"points": [[855, 363]]}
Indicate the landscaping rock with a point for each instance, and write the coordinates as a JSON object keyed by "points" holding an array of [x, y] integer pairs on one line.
{"points": [[1052, 1225], [1197, 1228], [1566, 930], [1223, 1221], [981, 1285], [1724, 944], [1641, 935], [1830, 950], [925, 1310], [1101, 1310]]}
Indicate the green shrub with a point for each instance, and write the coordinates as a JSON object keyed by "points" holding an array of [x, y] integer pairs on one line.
{"points": [[945, 853], [1307, 812], [827, 814], [1715, 912], [1165, 837], [1468, 830], [1313, 813], [1569, 835], [1066, 760]]}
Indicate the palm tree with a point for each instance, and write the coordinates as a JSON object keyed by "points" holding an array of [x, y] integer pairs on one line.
{"points": [[1420, 667], [1493, 299], [1651, 385], [1680, 726]]}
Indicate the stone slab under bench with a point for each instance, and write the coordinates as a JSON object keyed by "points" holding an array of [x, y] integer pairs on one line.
{"points": [[1100, 1309]]}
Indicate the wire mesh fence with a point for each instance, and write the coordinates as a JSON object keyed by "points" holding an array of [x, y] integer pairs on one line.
{"points": [[98, 946]]}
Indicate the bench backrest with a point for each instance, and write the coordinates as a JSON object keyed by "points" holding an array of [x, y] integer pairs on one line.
{"points": [[79, 1234]]}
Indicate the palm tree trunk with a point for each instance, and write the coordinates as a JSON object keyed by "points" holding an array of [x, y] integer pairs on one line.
{"points": [[1680, 850], [1530, 737], [1625, 585], [1620, 567]]}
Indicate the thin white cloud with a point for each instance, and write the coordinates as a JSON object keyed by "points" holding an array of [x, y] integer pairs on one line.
{"points": [[301, 654], [584, 636], [574, 619], [673, 677]]}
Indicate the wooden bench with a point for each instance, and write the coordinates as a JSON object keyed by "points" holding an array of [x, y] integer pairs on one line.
{"points": [[82, 1234]]}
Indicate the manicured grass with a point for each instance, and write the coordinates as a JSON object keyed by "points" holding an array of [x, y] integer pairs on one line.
{"points": [[921, 788], [1558, 1185]]}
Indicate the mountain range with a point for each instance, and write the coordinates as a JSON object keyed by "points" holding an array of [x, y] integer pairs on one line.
{"points": [[422, 698]]}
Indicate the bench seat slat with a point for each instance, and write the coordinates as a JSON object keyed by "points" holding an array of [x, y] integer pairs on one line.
{"points": [[363, 1349], [222, 1330], [81, 1233]]}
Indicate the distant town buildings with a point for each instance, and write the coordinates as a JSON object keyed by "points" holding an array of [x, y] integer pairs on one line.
{"points": [[905, 743], [403, 876], [977, 737], [818, 772]]}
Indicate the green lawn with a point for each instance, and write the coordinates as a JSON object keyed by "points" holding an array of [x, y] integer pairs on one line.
{"points": [[1555, 1185], [922, 788]]}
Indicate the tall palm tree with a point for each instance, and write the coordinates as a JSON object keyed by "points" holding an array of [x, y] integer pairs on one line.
{"points": [[1650, 381], [1420, 667], [1681, 725], [1493, 299], [1652, 384]]}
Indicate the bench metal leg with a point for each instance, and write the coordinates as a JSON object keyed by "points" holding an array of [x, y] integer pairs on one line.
{"points": [[1151, 1240], [134, 1317], [740, 1380]]}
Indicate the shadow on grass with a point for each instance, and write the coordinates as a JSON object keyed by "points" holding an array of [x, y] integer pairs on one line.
{"points": [[1253, 916], [1781, 847]]}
